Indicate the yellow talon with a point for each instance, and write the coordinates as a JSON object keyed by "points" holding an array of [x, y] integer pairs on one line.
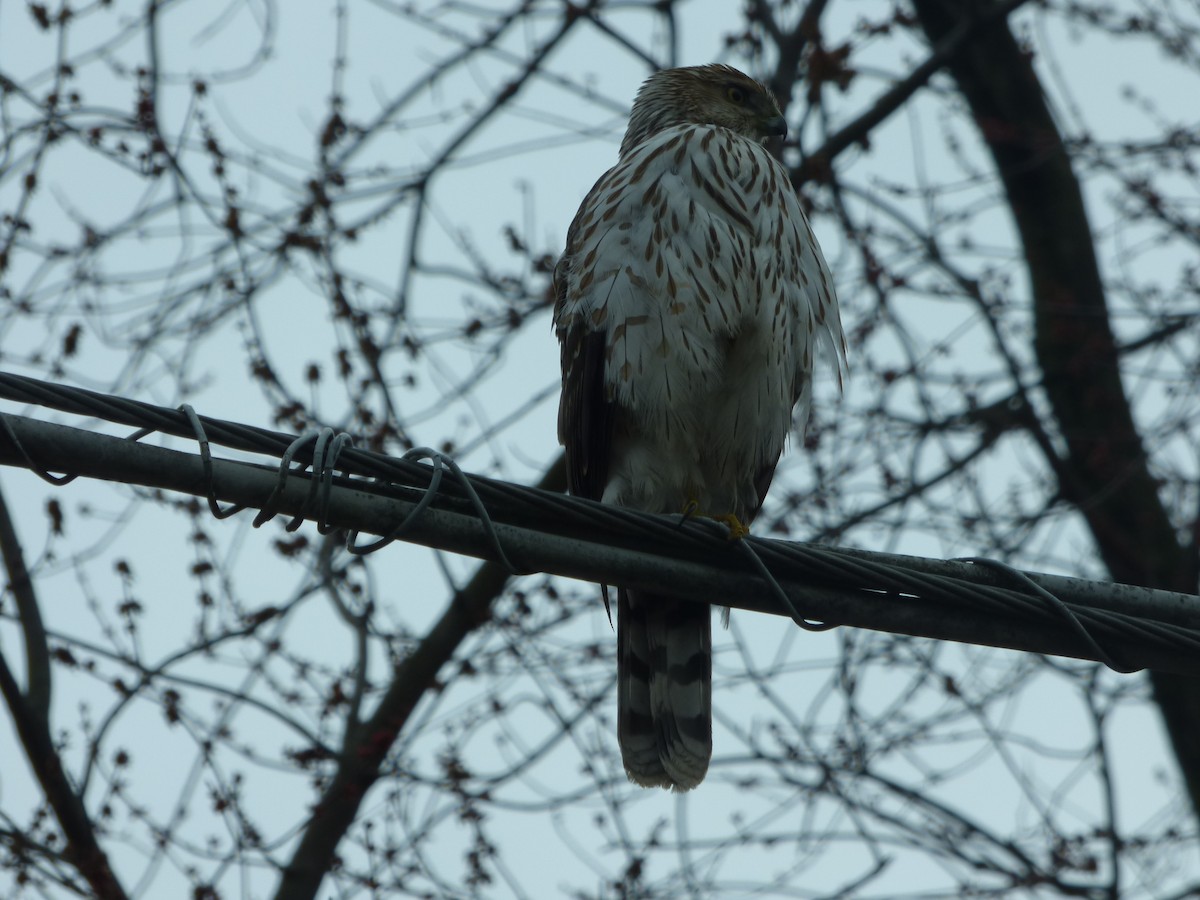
{"points": [[737, 530]]}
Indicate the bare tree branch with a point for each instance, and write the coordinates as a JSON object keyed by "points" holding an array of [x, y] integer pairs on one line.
{"points": [[1105, 473], [31, 715]]}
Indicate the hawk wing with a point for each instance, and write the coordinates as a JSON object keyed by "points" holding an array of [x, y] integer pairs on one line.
{"points": [[585, 409]]}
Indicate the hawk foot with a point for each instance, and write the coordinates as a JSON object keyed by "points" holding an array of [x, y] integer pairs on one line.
{"points": [[737, 530]]}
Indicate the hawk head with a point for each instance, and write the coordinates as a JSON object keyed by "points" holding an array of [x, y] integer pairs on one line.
{"points": [[704, 95]]}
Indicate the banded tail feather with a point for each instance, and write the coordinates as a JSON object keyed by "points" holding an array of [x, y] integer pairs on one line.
{"points": [[664, 689]]}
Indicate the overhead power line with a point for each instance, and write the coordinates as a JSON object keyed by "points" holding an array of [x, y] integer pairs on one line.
{"points": [[531, 530]]}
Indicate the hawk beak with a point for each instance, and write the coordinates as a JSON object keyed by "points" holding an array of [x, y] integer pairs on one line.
{"points": [[776, 126]]}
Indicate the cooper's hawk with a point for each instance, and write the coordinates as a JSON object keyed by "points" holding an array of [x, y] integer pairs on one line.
{"points": [[690, 302]]}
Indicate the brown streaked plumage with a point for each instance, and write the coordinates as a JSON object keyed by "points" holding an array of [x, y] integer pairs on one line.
{"points": [[689, 302]]}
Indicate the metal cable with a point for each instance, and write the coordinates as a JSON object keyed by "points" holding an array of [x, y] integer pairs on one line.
{"points": [[1006, 593]]}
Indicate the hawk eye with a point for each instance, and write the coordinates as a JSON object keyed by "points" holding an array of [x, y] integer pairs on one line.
{"points": [[735, 95]]}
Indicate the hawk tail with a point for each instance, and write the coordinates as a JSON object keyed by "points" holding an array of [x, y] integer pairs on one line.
{"points": [[664, 689]]}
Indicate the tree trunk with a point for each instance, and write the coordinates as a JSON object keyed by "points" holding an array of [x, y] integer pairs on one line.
{"points": [[1104, 471]]}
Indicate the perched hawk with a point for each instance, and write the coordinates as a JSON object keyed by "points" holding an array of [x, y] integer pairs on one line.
{"points": [[690, 301]]}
